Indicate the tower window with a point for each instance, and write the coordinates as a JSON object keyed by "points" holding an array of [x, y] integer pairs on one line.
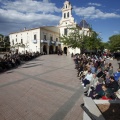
{"points": [[64, 15], [68, 14], [65, 31], [66, 6], [35, 37]]}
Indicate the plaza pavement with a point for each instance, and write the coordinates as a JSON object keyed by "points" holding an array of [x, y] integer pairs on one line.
{"points": [[45, 88]]}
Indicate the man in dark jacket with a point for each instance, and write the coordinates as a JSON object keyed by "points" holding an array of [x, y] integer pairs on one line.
{"points": [[100, 74], [113, 85]]}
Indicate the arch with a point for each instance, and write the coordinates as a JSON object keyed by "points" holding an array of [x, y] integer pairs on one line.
{"points": [[45, 49], [51, 49], [65, 50]]}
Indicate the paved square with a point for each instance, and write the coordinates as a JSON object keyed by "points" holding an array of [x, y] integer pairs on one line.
{"points": [[45, 88]]}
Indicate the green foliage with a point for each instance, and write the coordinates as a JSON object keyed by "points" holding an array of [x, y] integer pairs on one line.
{"points": [[114, 43], [1, 35], [4, 43], [76, 39]]}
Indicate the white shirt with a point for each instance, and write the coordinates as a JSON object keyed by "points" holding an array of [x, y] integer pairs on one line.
{"points": [[89, 76]]}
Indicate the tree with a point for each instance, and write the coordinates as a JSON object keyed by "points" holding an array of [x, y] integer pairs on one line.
{"points": [[73, 39], [77, 38], [92, 42], [114, 43], [4, 43]]}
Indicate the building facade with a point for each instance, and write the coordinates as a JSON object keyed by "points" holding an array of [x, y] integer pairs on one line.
{"points": [[66, 22], [46, 39], [42, 39]]}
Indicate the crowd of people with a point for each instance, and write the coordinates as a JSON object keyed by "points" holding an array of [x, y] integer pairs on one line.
{"points": [[9, 61], [97, 77]]}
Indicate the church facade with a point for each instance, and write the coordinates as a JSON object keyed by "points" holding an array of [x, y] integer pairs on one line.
{"points": [[46, 39]]}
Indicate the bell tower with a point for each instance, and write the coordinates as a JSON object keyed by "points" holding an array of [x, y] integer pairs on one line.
{"points": [[66, 10], [67, 20]]}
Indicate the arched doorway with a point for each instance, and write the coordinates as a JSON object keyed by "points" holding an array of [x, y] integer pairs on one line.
{"points": [[50, 49], [45, 49], [65, 50], [56, 49]]}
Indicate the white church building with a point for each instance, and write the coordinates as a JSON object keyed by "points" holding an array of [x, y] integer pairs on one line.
{"points": [[47, 38]]}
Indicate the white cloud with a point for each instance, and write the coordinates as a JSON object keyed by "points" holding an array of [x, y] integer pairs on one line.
{"points": [[31, 6], [27, 17], [93, 13], [24, 13], [94, 4]]}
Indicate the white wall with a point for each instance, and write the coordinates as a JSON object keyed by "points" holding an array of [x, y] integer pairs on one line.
{"points": [[27, 36]]}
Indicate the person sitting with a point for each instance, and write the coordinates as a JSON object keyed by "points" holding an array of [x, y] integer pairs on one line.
{"points": [[117, 75], [92, 68], [103, 92], [97, 89], [99, 73], [92, 85], [87, 78], [83, 74], [110, 70], [113, 85]]}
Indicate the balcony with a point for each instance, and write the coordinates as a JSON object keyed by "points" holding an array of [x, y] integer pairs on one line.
{"points": [[58, 43], [34, 41], [44, 41]]}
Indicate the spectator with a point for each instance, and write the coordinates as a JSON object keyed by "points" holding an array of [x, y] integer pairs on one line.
{"points": [[105, 91], [113, 85], [87, 79], [117, 75], [92, 68]]}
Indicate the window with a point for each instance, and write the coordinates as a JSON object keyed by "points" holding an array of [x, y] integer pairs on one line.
{"points": [[44, 37], [51, 38], [16, 39], [56, 39], [16, 35], [13, 42], [64, 15], [65, 31], [68, 14], [21, 40], [35, 37], [66, 6]]}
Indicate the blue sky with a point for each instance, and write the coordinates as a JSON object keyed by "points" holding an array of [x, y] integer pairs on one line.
{"points": [[102, 15]]}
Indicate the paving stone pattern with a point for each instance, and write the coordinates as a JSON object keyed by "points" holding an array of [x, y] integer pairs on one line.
{"points": [[45, 88]]}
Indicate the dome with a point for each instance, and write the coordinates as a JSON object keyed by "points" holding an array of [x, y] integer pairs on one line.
{"points": [[84, 24]]}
